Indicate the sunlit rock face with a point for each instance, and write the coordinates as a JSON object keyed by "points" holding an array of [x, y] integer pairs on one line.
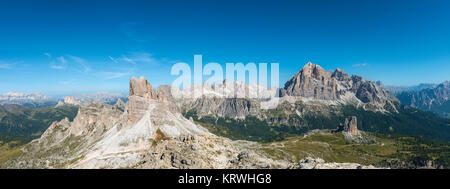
{"points": [[141, 95], [313, 82], [141, 87]]}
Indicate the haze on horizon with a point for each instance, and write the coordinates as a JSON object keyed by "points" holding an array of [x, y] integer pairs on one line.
{"points": [[77, 47]]}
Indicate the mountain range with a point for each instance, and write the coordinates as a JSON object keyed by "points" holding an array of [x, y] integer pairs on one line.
{"points": [[155, 128], [30, 100], [38, 100], [399, 89], [22, 123], [313, 99], [435, 99]]}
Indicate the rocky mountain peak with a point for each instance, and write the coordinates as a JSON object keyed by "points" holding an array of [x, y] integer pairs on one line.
{"points": [[71, 100], [312, 81], [120, 104], [142, 88], [340, 75], [446, 84], [313, 70], [142, 95]]}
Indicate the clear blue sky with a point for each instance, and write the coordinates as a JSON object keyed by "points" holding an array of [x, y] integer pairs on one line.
{"points": [[67, 47]]}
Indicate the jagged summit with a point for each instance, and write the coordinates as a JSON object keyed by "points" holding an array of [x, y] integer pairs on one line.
{"points": [[340, 75], [313, 70], [141, 91], [141, 87], [312, 81]]}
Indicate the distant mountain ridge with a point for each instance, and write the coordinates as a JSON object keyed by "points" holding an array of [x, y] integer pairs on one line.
{"points": [[23, 123], [399, 89], [38, 100], [105, 97], [435, 99], [32, 100]]}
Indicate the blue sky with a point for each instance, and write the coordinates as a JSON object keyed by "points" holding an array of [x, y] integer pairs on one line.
{"points": [[68, 47]]}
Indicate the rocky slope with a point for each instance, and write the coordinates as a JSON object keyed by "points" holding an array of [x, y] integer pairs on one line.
{"points": [[435, 99], [318, 163]]}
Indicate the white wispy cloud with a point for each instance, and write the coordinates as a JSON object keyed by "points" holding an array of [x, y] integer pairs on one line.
{"points": [[81, 62], [141, 57], [113, 59], [114, 75], [360, 65], [129, 60], [67, 82], [59, 64], [62, 62], [57, 67], [62, 59], [5, 66], [48, 55]]}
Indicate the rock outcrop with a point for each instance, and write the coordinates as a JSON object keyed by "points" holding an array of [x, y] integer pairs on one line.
{"points": [[350, 126], [141, 95], [120, 104], [142, 88]]}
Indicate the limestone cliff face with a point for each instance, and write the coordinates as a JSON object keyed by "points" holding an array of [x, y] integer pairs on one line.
{"points": [[351, 125], [71, 100], [141, 95], [312, 81], [221, 99], [226, 107], [141, 87]]}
